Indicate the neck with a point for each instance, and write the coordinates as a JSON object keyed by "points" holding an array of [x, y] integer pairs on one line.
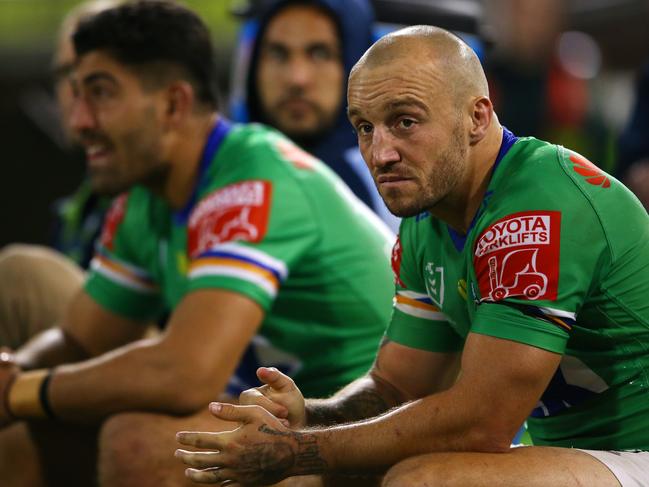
{"points": [[460, 206], [185, 158]]}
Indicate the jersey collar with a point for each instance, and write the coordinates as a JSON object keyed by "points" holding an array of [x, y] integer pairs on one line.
{"points": [[214, 140]]}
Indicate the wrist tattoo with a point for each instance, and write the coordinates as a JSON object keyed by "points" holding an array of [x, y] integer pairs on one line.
{"points": [[371, 398], [307, 459], [364, 404]]}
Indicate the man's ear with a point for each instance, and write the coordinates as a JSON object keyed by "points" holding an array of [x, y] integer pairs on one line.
{"points": [[180, 100], [482, 113]]}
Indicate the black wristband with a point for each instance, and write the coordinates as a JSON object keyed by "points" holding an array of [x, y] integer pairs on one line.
{"points": [[43, 395]]}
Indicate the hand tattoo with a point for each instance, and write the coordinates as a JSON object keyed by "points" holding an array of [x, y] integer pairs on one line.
{"points": [[266, 461], [306, 460]]}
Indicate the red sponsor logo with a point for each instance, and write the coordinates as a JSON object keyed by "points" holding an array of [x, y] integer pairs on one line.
{"points": [[236, 212], [297, 156], [593, 174], [113, 218], [396, 262], [518, 256]]}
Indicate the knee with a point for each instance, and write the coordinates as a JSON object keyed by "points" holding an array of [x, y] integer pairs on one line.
{"points": [[123, 446], [14, 257], [35, 265], [411, 472], [20, 253], [122, 435], [136, 449]]}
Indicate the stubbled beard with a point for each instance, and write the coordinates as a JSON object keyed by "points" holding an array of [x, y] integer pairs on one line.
{"points": [[111, 185], [439, 183]]}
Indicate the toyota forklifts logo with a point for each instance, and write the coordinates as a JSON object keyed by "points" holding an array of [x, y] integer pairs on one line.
{"points": [[518, 256]]}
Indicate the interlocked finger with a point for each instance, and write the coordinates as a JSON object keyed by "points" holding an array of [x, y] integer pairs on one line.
{"points": [[202, 439], [200, 459], [260, 397], [216, 475]]}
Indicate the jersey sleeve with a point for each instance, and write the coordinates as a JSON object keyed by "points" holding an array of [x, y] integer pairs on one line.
{"points": [[118, 279], [247, 234], [535, 264], [416, 321]]}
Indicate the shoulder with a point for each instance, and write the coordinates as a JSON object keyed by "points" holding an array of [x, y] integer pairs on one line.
{"points": [[255, 148]]}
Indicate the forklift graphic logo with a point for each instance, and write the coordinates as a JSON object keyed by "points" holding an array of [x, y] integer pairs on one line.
{"points": [[518, 256], [518, 276]]}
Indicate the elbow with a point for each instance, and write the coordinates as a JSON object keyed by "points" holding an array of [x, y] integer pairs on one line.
{"points": [[186, 383], [188, 391], [488, 439]]}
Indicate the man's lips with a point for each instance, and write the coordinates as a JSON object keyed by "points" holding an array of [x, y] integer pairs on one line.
{"points": [[300, 104], [96, 153], [391, 178]]}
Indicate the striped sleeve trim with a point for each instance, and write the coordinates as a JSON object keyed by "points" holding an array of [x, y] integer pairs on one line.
{"points": [[241, 262], [564, 320], [418, 305], [123, 274]]}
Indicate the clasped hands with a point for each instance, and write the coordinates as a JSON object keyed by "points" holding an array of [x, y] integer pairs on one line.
{"points": [[266, 446]]}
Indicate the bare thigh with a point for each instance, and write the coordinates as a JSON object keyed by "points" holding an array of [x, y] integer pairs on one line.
{"points": [[521, 467]]}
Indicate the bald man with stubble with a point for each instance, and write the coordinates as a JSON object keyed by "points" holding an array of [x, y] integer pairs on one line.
{"points": [[512, 266]]}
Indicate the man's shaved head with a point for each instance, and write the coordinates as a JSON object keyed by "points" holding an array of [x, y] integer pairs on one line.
{"points": [[419, 102], [455, 62]]}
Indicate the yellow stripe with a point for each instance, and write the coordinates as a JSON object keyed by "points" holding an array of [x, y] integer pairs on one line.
{"points": [[415, 304], [120, 269], [560, 322], [216, 261]]}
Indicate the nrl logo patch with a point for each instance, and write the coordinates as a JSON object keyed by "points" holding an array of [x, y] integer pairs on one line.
{"points": [[434, 280]]}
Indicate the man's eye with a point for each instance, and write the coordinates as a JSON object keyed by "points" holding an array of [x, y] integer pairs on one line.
{"points": [[321, 53], [98, 92], [276, 54], [406, 123], [364, 129]]}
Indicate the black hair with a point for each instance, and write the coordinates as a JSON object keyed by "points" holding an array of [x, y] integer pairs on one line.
{"points": [[154, 33]]}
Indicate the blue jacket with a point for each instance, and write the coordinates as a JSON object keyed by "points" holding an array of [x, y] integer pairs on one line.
{"points": [[634, 140], [338, 148]]}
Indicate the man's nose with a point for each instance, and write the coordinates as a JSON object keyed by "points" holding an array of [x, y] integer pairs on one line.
{"points": [[81, 115], [300, 71], [384, 151]]}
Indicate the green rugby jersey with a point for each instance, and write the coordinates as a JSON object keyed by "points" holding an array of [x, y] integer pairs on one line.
{"points": [[557, 258], [271, 222]]}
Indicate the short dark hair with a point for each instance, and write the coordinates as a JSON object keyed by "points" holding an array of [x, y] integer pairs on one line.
{"points": [[154, 34]]}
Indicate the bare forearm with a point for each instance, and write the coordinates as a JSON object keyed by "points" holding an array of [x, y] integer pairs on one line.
{"points": [[364, 398], [49, 348], [139, 376], [433, 424]]}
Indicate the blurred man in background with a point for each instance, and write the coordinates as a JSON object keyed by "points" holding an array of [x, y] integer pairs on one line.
{"points": [[261, 252], [37, 282], [293, 76]]}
